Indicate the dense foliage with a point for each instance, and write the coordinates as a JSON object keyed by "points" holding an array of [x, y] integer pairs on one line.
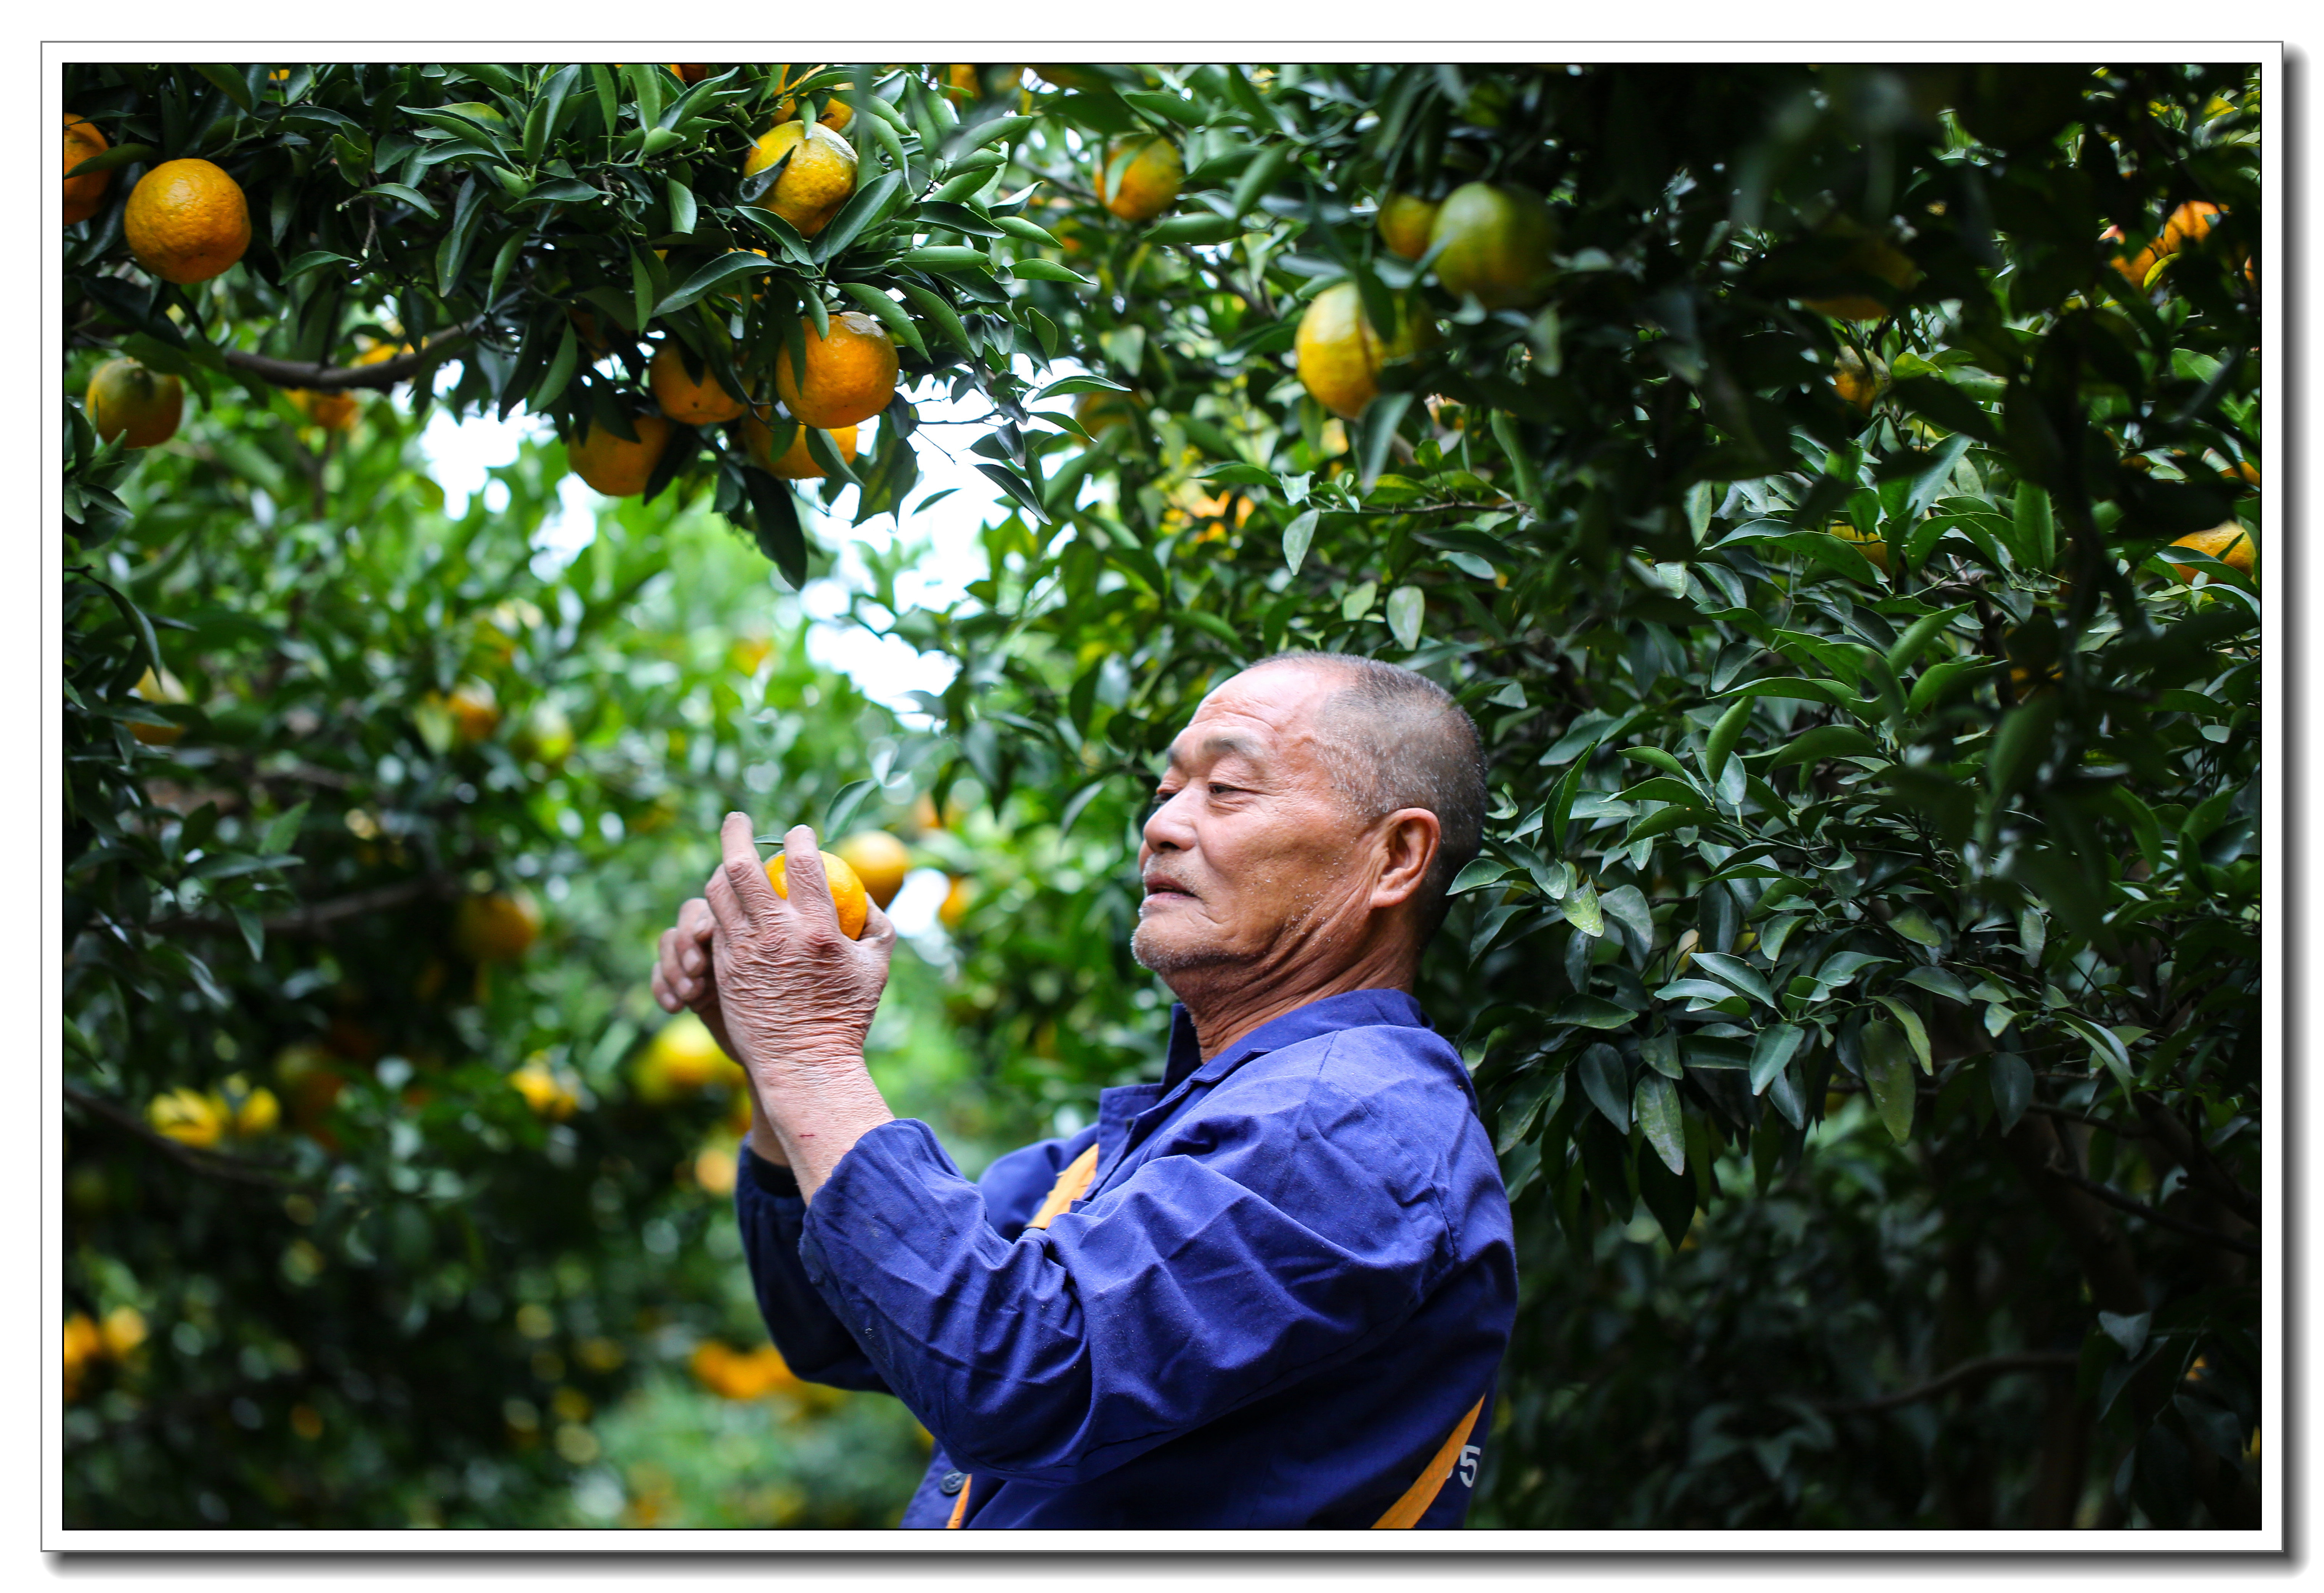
{"points": [[1862, 973]]}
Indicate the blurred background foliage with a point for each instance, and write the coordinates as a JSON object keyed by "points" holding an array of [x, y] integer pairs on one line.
{"points": [[1784, 464]]}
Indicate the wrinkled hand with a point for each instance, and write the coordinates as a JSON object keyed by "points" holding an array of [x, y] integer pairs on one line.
{"points": [[796, 996], [682, 973]]}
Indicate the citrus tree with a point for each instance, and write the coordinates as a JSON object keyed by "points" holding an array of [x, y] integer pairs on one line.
{"points": [[1782, 464]]}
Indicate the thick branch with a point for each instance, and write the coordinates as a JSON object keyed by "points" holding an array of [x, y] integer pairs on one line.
{"points": [[209, 1163], [383, 375], [1975, 1371], [2123, 1202], [317, 918]]}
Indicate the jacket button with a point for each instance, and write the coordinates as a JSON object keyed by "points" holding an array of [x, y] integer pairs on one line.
{"points": [[951, 1483]]}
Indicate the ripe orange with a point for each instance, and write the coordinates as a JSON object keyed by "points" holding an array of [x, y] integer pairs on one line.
{"points": [[1101, 410], [1340, 352], [188, 1117], [474, 711], [547, 1095], [683, 399], [163, 687], [2228, 543], [851, 375], [1406, 221], [1858, 382], [837, 112], [879, 860], [125, 398], [847, 892], [690, 76], [333, 411], [1140, 177], [616, 468], [1871, 543], [817, 181], [83, 195], [681, 1059], [1870, 256], [186, 221], [499, 928], [955, 902], [796, 464], [1497, 242]]}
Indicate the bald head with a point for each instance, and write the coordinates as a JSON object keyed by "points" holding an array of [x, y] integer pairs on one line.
{"points": [[1393, 739]]}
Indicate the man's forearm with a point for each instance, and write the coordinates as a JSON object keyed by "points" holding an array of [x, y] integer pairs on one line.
{"points": [[815, 1115]]}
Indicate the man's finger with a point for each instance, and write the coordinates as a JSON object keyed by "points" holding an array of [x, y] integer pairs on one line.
{"points": [[694, 920], [726, 913], [808, 887], [879, 929], [680, 965], [745, 875]]}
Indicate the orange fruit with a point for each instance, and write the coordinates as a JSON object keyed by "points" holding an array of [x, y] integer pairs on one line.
{"points": [[547, 1095], [499, 928], [1871, 543], [961, 79], [126, 400], [847, 892], [955, 903], [849, 376], [186, 221], [690, 76], [473, 710], [837, 112], [593, 337], [2229, 543], [1405, 224], [683, 399], [83, 195], [879, 860], [188, 1117], [333, 411], [163, 687], [1858, 383], [2187, 223], [816, 182], [1138, 178], [2244, 471], [796, 464], [1340, 352], [681, 1059], [1872, 257], [1497, 242], [1101, 410], [616, 468]]}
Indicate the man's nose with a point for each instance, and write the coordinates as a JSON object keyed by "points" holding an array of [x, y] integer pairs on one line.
{"points": [[1167, 827]]}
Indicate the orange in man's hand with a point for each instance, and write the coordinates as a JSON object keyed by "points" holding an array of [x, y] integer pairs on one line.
{"points": [[846, 890]]}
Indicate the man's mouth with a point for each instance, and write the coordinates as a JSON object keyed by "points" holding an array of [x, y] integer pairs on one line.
{"points": [[1157, 885]]}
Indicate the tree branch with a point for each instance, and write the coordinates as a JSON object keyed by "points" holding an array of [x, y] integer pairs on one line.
{"points": [[383, 375], [209, 1163], [1975, 1371], [2123, 1202], [317, 918]]}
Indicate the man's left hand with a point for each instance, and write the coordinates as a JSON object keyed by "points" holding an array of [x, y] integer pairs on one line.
{"points": [[797, 996]]}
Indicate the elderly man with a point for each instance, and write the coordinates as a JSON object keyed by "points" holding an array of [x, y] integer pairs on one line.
{"points": [[1272, 1289]]}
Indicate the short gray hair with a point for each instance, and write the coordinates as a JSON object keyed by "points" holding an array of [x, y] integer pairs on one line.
{"points": [[1392, 737]]}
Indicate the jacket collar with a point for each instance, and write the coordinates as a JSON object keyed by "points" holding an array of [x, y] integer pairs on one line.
{"points": [[1349, 1010]]}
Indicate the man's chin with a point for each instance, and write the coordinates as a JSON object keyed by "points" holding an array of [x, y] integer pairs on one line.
{"points": [[1158, 951]]}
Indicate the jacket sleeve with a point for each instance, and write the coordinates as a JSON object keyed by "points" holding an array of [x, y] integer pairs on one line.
{"points": [[1288, 1234], [813, 1341]]}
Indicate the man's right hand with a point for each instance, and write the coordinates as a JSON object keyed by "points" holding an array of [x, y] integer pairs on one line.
{"points": [[683, 978]]}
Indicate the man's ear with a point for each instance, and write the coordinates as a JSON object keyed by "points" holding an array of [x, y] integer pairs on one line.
{"points": [[1408, 840]]}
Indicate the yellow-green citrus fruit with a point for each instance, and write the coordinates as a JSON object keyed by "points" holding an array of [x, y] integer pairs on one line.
{"points": [[126, 400], [1497, 242], [1404, 223], [1138, 178]]}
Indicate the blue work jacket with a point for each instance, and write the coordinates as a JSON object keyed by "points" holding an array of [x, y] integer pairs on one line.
{"points": [[1289, 1282]]}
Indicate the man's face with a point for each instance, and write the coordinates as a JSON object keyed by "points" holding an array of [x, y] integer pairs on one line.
{"points": [[1250, 853]]}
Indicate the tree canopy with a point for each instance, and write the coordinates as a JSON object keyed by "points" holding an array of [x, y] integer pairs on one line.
{"points": [[1787, 465]]}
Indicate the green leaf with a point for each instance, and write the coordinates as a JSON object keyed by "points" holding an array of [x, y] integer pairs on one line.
{"points": [[1915, 1031], [845, 802], [999, 129], [1628, 906], [900, 326], [2013, 1088], [1296, 536], [1476, 874], [727, 268], [1724, 734], [1736, 972], [119, 155], [229, 81], [932, 305], [1582, 910], [867, 205], [947, 257], [1406, 609], [1657, 1109], [1033, 268], [1591, 1012], [409, 196], [1915, 925], [1888, 1075], [1602, 1081], [1772, 1049]]}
